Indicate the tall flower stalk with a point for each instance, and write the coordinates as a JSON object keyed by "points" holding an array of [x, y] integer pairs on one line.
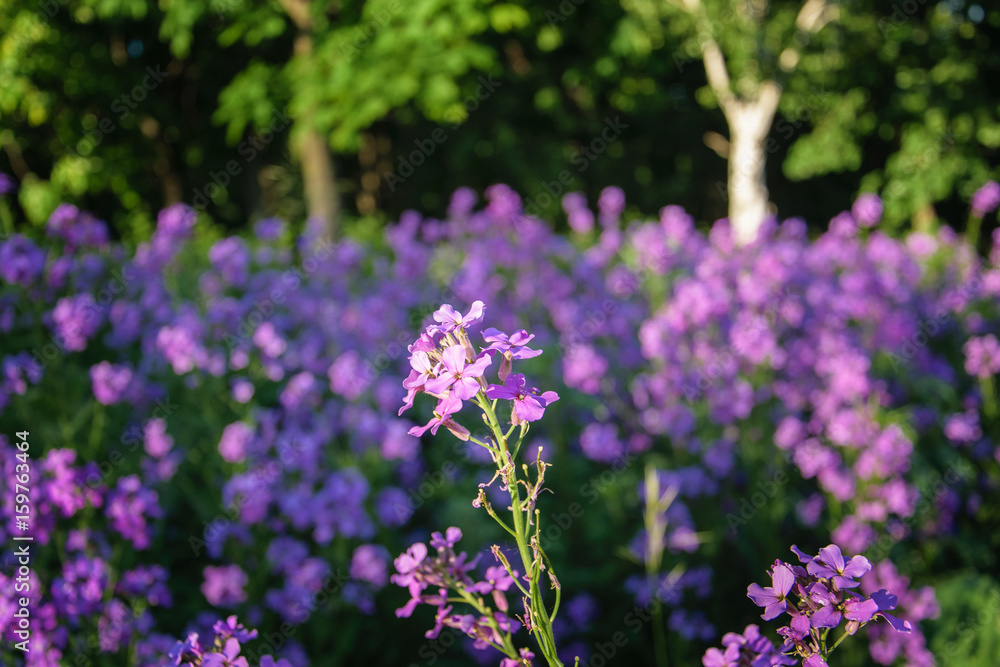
{"points": [[446, 366]]}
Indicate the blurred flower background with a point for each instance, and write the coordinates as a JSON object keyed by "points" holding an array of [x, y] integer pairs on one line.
{"points": [[757, 242]]}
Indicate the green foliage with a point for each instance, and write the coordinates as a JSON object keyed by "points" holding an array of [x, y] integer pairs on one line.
{"points": [[879, 99], [968, 630]]}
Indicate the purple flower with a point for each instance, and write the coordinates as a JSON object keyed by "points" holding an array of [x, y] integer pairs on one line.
{"points": [[528, 406], [76, 319], [156, 442], [129, 504], [772, 598], [600, 442], [448, 540], [462, 379], [109, 381], [224, 586], [21, 261], [715, 658], [243, 390], [982, 356], [496, 579], [446, 407], [829, 563], [511, 347], [986, 199], [886, 601], [368, 563], [860, 609], [235, 439], [815, 660], [187, 652], [611, 203], [450, 319], [7, 185], [580, 218], [229, 657], [231, 628], [526, 656], [867, 209]]}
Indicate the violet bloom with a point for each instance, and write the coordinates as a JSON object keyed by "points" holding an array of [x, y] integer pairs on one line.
{"points": [[715, 658], [224, 586], [450, 319], [827, 616], [75, 320], [867, 209], [830, 564], [986, 199], [187, 652], [406, 565], [21, 261], [109, 382], [860, 609], [235, 439], [511, 347], [231, 628], [229, 657], [7, 185], [462, 379], [446, 407], [772, 598], [886, 601], [526, 656], [448, 540], [528, 406], [982, 356], [422, 370]]}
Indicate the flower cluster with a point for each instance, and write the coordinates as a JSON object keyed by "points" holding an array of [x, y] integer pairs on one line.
{"points": [[818, 596], [672, 340], [448, 573], [445, 365], [224, 651]]}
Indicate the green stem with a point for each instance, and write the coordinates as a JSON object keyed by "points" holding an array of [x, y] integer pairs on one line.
{"points": [[972, 231], [989, 396], [96, 430], [836, 644], [539, 616]]}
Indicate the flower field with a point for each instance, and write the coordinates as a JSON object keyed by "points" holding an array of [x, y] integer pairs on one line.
{"points": [[652, 445]]}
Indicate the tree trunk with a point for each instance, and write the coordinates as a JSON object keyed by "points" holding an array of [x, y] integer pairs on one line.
{"points": [[319, 179], [319, 182], [749, 124]]}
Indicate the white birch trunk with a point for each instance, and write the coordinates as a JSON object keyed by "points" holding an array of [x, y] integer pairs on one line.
{"points": [[749, 125]]}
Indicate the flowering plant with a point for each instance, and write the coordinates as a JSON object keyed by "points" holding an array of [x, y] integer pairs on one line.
{"points": [[446, 366], [824, 598]]}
